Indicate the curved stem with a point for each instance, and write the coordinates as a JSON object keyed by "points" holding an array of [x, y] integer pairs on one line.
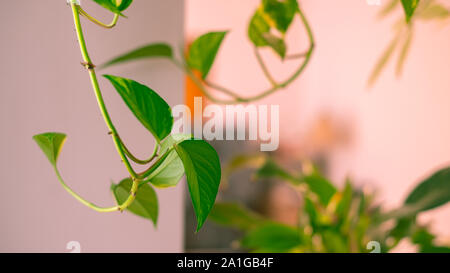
{"points": [[134, 158], [221, 89], [81, 199], [153, 167], [198, 82], [95, 21], [264, 67], [273, 89], [296, 56], [102, 106]]}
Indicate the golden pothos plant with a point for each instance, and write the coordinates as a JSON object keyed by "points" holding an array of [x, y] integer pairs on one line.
{"points": [[173, 155]]}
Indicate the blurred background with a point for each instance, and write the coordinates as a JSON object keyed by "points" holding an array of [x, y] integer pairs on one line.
{"points": [[46, 89], [385, 137]]}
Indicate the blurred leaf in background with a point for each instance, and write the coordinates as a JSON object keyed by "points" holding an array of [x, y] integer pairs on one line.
{"points": [[414, 10], [332, 219], [409, 6], [269, 24], [203, 51]]}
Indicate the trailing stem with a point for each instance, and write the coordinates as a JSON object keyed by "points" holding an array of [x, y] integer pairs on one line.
{"points": [[87, 62], [275, 86]]}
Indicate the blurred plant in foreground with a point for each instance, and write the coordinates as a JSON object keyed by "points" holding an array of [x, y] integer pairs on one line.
{"points": [[332, 219]]}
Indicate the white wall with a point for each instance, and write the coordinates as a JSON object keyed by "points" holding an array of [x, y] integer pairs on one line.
{"points": [[44, 88]]}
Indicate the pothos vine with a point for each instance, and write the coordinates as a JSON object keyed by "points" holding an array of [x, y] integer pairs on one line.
{"points": [[176, 155], [172, 157], [267, 29]]}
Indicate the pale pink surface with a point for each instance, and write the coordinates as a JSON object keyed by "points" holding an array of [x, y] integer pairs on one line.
{"points": [[400, 129], [44, 88]]}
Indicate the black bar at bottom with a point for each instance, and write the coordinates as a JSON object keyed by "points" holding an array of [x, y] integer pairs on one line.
{"points": [[224, 262]]}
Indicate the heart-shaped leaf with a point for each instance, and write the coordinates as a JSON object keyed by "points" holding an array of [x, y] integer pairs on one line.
{"points": [[434, 11], [149, 51], [432, 192], [203, 51], [202, 166], [148, 107], [146, 202], [169, 173], [280, 12], [271, 169], [277, 44], [323, 188], [257, 27], [259, 33], [234, 215], [409, 6], [51, 144]]}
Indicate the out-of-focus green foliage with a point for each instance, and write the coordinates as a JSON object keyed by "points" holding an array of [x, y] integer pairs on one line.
{"points": [[424, 10], [270, 23], [332, 219], [409, 6]]}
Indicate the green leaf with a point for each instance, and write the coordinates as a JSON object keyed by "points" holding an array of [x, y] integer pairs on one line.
{"points": [[345, 202], [115, 6], [424, 239], [435, 249], [432, 192], [321, 187], [202, 166], [272, 237], [240, 162], [169, 173], [260, 35], [203, 51], [434, 11], [257, 27], [276, 44], [409, 6], [403, 228], [51, 144], [146, 202], [148, 107], [149, 51], [122, 4], [235, 215], [272, 170], [280, 12]]}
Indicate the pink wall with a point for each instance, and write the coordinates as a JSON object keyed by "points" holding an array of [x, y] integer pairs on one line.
{"points": [[44, 88], [400, 130]]}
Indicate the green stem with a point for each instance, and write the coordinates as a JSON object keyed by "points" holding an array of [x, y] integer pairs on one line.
{"points": [[131, 156], [264, 68], [81, 199], [102, 106], [153, 167], [95, 21]]}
